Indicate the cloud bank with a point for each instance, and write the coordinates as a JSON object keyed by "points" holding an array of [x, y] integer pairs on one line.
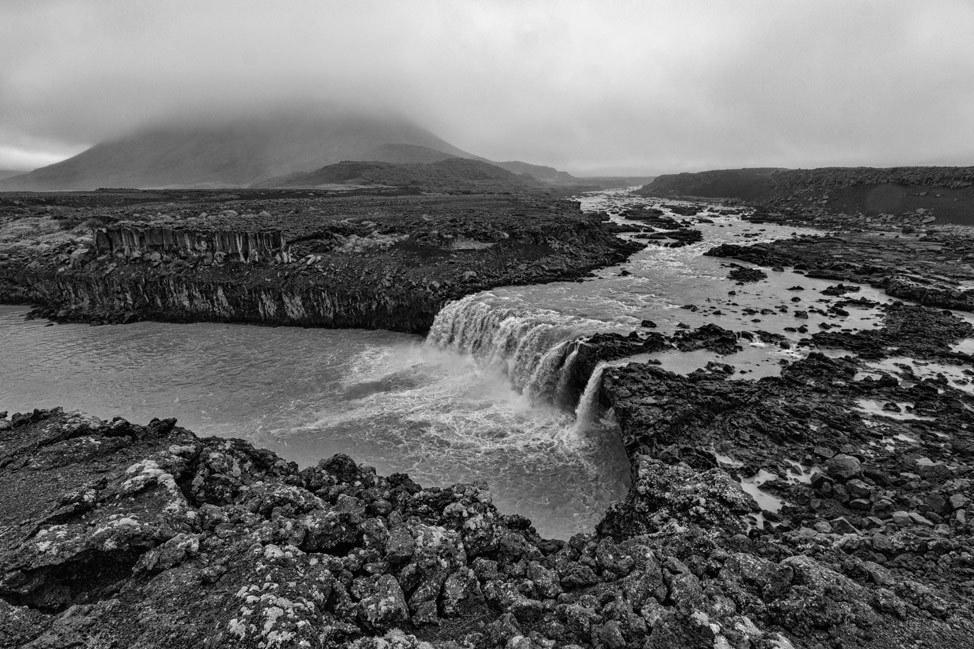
{"points": [[591, 87]]}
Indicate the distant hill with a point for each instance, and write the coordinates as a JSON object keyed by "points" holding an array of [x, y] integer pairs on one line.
{"points": [[269, 149], [609, 182], [407, 153], [443, 176], [548, 175], [238, 152], [8, 173], [947, 193], [745, 184]]}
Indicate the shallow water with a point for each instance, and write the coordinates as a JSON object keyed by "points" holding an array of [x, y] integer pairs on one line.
{"points": [[446, 410], [905, 413], [662, 282], [910, 370]]}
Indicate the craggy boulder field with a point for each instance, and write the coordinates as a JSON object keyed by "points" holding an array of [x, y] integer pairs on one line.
{"points": [[285, 257], [113, 534]]}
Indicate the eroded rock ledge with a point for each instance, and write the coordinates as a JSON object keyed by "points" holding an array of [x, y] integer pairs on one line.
{"points": [[369, 262]]}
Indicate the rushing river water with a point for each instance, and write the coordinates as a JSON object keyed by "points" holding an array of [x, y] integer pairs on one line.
{"points": [[467, 404]]}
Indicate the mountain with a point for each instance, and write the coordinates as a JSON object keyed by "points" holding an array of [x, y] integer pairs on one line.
{"points": [[945, 194], [612, 182], [237, 152], [442, 176], [8, 173], [548, 175], [409, 153], [273, 148]]}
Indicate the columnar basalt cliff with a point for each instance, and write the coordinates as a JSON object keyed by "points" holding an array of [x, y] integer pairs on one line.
{"points": [[368, 262], [242, 245]]}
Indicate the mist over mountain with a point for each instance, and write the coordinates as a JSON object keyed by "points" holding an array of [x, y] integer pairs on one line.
{"points": [[549, 175], [450, 175], [8, 173], [239, 151]]}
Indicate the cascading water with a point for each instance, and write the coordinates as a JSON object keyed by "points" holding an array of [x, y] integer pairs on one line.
{"points": [[566, 374], [537, 351], [588, 406]]}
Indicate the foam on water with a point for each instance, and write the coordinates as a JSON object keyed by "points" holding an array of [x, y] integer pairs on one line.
{"points": [[460, 403], [531, 347]]}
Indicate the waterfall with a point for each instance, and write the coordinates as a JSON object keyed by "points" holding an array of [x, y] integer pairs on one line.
{"points": [[567, 371], [537, 351], [588, 404], [543, 382]]}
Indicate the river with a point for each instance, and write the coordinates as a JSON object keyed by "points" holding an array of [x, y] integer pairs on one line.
{"points": [[471, 403]]}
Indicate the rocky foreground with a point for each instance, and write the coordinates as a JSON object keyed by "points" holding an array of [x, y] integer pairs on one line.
{"points": [[113, 534], [121, 535], [285, 257]]}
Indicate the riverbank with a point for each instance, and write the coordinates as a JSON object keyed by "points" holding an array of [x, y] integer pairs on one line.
{"points": [[148, 535], [327, 260]]}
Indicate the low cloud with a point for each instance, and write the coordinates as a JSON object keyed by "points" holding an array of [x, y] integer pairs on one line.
{"points": [[592, 87]]}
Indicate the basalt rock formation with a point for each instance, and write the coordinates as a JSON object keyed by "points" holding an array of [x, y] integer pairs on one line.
{"points": [[372, 262], [665, 231]]}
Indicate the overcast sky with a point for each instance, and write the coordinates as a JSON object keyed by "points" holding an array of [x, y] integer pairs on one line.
{"points": [[590, 87]]}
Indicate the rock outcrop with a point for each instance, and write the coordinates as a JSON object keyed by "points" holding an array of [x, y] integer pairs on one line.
{"points": [[934, 270], [242, 245], [118, 534], [372, 262]]}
